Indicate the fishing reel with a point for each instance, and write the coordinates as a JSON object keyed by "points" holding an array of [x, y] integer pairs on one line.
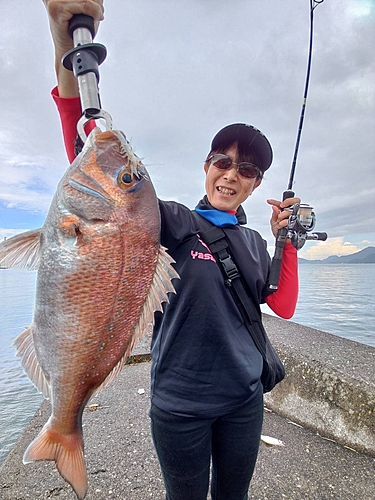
{"points": [[300, 224]]}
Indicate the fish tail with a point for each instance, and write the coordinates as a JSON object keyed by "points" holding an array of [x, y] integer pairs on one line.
{"points": [[66, 451]]}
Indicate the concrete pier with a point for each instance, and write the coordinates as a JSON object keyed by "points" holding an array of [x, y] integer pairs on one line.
{"points": [[323, 412], [329, 385]]}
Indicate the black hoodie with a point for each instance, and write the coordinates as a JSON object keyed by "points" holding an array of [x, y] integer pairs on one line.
{"points": [[204, 361]]}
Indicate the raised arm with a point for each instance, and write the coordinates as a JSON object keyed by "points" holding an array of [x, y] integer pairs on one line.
{"points": [[283, 302], [66, 94], [59, 13]]}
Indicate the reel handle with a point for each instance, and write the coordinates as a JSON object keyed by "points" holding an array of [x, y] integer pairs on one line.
{"points": [[317, 236], [273, 280]]}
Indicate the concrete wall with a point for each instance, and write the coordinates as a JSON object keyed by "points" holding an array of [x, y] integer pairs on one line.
{"points": [[329, 386]]}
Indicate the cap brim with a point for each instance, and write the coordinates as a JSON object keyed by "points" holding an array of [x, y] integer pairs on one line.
{"points": [[250, 140]]}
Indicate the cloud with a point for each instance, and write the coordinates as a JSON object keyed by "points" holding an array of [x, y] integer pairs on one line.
{"points": [[177, 72], [334, 246]]}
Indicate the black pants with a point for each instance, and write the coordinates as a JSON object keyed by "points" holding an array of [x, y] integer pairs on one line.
{"points": [[185, 446]]}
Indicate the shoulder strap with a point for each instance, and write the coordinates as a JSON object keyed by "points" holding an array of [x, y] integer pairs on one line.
{"points": [[215, 238]]}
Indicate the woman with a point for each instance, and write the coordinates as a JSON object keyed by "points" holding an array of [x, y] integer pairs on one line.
{"points": [[206, 393]]}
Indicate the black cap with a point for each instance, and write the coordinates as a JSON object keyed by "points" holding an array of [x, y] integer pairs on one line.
{"points": [[249, 139]]}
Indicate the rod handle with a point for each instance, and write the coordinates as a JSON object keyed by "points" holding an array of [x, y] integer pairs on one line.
{"points": [[288, 194], [273, 280]]}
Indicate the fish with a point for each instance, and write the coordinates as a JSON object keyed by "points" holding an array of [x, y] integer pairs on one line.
{"points": [[102, 274]]}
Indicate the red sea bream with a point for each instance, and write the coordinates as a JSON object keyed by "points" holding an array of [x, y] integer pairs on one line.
{"points": [[101, 275]]}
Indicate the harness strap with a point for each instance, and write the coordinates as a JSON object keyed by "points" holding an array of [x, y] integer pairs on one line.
{"points": [[216, 240]]}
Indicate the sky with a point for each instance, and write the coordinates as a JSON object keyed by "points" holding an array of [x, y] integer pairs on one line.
{"points": [[176, 73]]}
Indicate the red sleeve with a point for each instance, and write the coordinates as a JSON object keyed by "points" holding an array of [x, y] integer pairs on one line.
{"points": [[283, 302], [69, 109]]}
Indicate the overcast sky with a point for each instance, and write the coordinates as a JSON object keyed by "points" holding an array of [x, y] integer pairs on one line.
{"points": [[177, 72]]}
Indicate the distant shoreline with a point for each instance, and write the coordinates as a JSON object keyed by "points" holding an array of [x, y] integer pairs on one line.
{"points": [[365, 256], [323, 262]]}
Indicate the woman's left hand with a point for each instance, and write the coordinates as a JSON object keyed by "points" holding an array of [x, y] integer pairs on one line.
{"points": [[279, 218]]}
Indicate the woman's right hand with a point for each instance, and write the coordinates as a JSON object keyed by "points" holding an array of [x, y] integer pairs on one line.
{"points": [[61, 11]]}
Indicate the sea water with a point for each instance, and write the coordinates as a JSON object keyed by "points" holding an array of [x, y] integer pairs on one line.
{"points": [[19, 399], [338, 299]]}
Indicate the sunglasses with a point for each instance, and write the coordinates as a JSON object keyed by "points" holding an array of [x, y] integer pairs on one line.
{"points": [[246, 169]]}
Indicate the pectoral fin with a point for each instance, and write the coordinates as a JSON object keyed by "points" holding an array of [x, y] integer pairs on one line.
{"points": [[21, 251]]}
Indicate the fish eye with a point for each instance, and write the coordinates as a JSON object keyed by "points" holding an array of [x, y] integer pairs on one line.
{"points": [[126, 178]]}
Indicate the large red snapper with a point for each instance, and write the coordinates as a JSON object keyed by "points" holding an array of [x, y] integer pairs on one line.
{"points": [[101, 276]]}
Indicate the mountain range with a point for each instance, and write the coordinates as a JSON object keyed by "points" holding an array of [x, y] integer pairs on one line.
{"points": [[365, 256]]}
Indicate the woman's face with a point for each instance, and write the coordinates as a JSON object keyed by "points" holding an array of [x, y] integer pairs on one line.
{"points": [[227, 189]]}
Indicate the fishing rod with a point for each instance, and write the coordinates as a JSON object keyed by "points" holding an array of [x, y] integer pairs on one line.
{"points": [[84, 60], [302, 219]]}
